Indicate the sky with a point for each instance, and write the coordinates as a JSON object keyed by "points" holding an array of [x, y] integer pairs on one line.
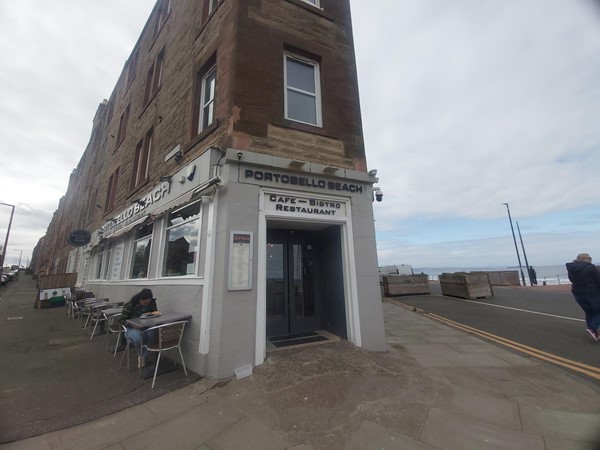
{"points": [[466, 105]]}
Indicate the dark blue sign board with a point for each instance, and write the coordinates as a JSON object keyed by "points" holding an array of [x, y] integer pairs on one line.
{"points": [[79, 238]]}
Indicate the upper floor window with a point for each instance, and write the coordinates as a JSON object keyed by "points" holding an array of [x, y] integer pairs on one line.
{"points": [[111, 191], [154, 77], [206, 89], [302, 90], [161, 16], [141, 160], [181, 242], [123, 125], [133, 66], [212, 5]]}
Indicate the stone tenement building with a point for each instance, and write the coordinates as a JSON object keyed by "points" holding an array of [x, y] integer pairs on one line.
{"points": [[227, 172]]}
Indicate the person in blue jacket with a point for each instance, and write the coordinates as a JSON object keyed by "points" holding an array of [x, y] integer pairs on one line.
{"points": [[585, 287]]}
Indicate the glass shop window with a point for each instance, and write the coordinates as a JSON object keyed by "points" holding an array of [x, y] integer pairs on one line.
{"points": [[142, 245], [181, 242]]}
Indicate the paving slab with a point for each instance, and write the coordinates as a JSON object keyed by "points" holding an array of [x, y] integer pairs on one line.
{"points": [[486, 408], [451, 431], [248, 434], [187, 431], [371, 436], [562, 424]]}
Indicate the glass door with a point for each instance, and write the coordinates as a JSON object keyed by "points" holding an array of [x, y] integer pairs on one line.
{"points": [[292, 271]]}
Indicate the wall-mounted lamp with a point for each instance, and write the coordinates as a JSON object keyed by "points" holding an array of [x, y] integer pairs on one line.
{"points": [[372, 172], [139, 202], [295, 163], [164, 178], [330, 169], [178, 156]]}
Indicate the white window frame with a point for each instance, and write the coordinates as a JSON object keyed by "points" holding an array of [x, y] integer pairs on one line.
{"points": [[316, 3], [207, 106], [316, 94], [212, 5]]}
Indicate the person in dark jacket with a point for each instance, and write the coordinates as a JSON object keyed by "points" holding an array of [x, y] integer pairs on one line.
{"points": [[585, 287], [141, 303]]}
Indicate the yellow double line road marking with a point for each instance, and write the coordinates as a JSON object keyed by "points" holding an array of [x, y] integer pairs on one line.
{"points": [[590, 371]]}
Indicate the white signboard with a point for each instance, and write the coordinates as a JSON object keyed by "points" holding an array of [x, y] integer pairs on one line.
{"points": [[304, 206], [117, 262], [240, 261]]}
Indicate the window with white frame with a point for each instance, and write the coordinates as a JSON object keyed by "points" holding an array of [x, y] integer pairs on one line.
{"points": [[99, 261], [106, 263], [302, 90], [141, 251], [206, 98], [102, 261], [182, 241], [141, 160], [212, 5]]}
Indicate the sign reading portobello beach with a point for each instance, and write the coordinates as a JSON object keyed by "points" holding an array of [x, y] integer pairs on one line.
{"points": [[301, 180], [79, 238]]}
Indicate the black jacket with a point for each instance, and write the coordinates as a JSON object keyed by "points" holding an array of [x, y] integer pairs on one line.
{"points": [[585, 278]]}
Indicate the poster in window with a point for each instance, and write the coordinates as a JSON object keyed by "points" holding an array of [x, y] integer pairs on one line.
{"points": [[117, 262], [240, 261]]}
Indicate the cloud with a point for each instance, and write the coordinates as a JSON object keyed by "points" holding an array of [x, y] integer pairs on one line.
{"points": [[473, 104]]}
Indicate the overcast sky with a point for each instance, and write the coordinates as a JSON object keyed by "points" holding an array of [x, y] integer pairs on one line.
{"points": [[466, 104]]}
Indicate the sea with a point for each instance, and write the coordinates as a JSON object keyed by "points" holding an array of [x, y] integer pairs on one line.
{"points": [[550, 274]]}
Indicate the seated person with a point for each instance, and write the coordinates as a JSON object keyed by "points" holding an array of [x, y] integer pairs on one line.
{"points": [[140, 303]]}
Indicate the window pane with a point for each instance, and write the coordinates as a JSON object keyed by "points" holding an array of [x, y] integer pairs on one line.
{"points": [[209, 87], [302, 107], [181, 249], [100, 257], [301, 75], [180, 216], [141, 251], [141, 257]]}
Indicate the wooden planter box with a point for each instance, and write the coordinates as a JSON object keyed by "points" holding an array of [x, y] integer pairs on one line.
{"points": [[504, 278], [471, 285], [405, 285]]}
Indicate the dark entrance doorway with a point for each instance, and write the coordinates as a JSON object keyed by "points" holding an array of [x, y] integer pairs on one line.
{"points": [[304, 282]]}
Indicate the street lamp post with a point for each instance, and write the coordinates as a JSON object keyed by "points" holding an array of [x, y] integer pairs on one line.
{"points": [[20, 255], [515, 241], [524, 255], [7, 233]]}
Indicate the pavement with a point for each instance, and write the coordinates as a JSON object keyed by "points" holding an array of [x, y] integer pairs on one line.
{"points": [[435, 387]]}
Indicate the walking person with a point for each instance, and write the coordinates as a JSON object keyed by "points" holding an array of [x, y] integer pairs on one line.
{"points": [[532, 275], [585, 287]]}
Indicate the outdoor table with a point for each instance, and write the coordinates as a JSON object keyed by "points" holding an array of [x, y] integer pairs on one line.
{"points": [[111, 311], [166, 317]]}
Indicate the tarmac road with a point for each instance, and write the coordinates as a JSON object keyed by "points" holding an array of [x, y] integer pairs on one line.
{"points": [[541, 317]]}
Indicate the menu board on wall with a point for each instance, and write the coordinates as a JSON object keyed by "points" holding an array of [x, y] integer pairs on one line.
{"points": [[240, 261], [117, 262]]}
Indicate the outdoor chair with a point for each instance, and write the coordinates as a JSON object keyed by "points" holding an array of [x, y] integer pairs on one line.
{"points": [[113, 326], [168, 337]]}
